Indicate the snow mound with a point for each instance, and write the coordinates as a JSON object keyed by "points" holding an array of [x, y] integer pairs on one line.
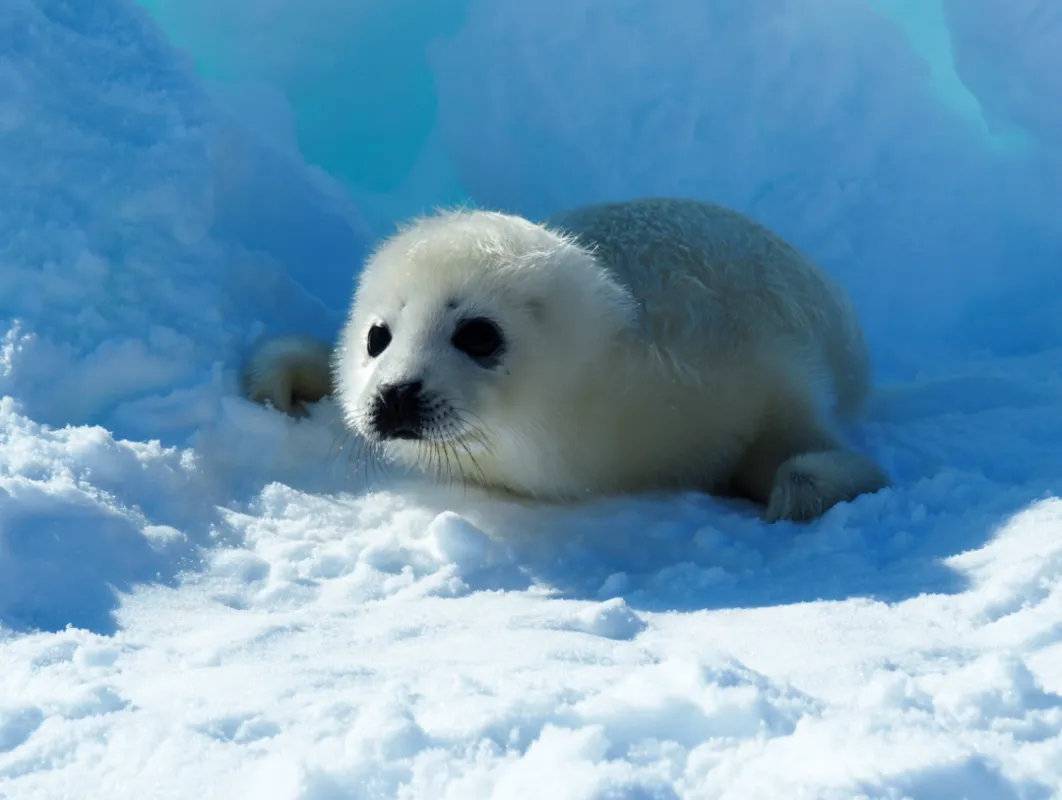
{"points": [[141, 234], [83, 515]]}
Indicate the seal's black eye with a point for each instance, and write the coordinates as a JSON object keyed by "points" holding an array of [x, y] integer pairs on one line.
{"points": [[379, 338], [479, 339]]}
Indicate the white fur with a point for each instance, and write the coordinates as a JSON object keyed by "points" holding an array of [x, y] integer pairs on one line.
{"points": [[289, 371], [652, 345]]}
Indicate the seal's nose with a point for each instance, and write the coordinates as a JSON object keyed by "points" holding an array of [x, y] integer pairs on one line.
{"points": [[398, 411]]}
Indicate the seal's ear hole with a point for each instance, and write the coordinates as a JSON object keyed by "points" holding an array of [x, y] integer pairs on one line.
{"points": [[537, 309]]}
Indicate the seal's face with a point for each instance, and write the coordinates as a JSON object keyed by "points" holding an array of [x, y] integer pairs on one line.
{"points": [[405, 409], [427, 373], [463, 326]]}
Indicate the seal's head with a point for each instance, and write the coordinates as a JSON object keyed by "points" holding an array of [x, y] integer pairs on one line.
{"points": [[464, 326]]}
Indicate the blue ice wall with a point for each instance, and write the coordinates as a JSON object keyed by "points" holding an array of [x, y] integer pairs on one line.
{"points": [[143, 231], [173, 172], [912, 146], [346, 82]]}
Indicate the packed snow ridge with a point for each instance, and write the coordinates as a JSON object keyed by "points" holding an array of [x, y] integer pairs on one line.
{"points": [[202, 598]]}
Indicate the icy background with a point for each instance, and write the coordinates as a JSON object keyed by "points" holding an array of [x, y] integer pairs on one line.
{"points": [[199, 599]]}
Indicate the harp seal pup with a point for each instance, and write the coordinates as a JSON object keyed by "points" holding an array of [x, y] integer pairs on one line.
{"points": [[639, 346]]}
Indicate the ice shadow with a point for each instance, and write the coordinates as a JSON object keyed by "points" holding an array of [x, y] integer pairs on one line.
{"points": [[66, 561], [86, 518], [694, 552]]}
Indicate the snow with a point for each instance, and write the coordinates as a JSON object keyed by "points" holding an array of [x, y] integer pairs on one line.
{"points": [[202, 598]]}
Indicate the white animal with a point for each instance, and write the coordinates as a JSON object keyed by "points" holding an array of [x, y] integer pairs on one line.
{"points": [[650, 345]]}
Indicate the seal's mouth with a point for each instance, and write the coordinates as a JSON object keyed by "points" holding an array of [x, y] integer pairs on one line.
{"points": [[398, 411], [414, 428], [466, 443], [405, 435]]}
